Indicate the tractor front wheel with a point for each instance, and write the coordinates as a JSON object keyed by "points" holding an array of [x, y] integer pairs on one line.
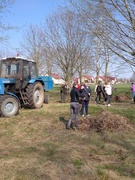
{"points": [[9, 106]]}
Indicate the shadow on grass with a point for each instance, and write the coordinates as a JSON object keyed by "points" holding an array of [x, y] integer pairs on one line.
{"points": [[62, 119]]}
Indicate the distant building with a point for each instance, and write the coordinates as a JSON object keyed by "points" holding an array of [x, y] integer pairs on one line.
{"points": [[57, 79], [107, 78], [90, 79]]}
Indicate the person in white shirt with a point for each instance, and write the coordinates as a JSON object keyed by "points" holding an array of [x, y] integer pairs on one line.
{"points": [[108, 90]]}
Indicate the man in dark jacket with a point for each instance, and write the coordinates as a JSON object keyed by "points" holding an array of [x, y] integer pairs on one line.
{"points": [[86, 90], [74, 106], [63, 92], [99, 90]]}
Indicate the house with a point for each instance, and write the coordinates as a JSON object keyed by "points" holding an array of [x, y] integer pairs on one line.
{"points": [[90, 79], [107, 78], [57, 79], [112, 79]]}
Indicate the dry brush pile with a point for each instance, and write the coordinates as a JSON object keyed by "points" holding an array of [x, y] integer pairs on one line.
{"points": [[105, 121], [121, 97]]}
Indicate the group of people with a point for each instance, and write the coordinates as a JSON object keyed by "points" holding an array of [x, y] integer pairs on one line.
{"points": [[80, 97], [106, 91]]}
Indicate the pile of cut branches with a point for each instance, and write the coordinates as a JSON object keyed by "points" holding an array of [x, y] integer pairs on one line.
{"points": [[105, 121]]}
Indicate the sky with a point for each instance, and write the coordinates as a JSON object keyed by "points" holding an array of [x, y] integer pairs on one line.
{"points": [[22, 14]]}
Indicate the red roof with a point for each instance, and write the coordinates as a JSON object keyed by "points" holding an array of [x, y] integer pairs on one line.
{"points": [[88, 77], [101, 77], [108, 77], [55, 76], [111, 78], [76, 79]]}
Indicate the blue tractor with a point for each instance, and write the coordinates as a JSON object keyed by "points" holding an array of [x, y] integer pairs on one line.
{"points": [[20, 86]]}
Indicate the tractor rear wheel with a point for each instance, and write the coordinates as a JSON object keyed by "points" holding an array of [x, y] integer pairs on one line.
{"points": [[35, 95], [9, 106]]}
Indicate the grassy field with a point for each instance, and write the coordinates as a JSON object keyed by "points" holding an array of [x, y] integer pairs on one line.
{"points": [[35, 145]]}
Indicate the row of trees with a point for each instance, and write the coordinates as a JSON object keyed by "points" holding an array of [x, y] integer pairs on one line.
{"points": [[87, 36], [113, 24]]}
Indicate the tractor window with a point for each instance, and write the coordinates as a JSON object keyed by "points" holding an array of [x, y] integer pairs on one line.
{"points": [[13, 68], [9, 69], [3, 70], [33, 70], [26, 71]]}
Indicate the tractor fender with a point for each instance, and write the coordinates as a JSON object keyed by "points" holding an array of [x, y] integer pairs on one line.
{"points": [[45, 80], [12, 94], [32, 81]]}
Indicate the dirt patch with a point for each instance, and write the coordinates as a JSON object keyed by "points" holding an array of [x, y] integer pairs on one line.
{"points": [[121, 97], [105, 121]]}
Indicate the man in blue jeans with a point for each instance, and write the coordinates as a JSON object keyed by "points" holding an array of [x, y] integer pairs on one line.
{"points": [[86, 90], [75, 105]]}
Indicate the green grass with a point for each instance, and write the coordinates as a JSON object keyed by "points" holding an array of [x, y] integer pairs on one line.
{"points": [[127, 112], [78, 163], [35, 145]]}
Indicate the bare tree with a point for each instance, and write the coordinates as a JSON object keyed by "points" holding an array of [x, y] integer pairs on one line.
{"points": [[67, 40], [112, 22], [47, 60], [33, 45], [93, 18], [121, 39]]}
